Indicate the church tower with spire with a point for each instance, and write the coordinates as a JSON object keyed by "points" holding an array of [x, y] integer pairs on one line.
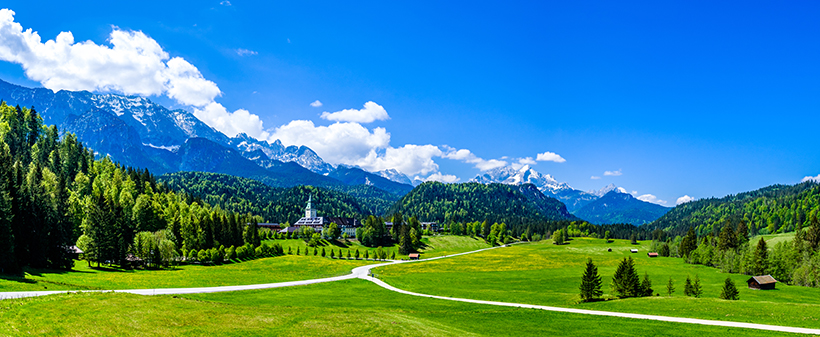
{"points": [[310, 212]]}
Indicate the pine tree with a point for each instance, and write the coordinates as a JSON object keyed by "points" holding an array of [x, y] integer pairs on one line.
{"points": [[297, 250], [670, 287], [687, 287], [729, 291], [626, 282], [323, 251], [697, 289], [348, 253], [646, 285], [590, 283], [332, 254], [761, 258]]}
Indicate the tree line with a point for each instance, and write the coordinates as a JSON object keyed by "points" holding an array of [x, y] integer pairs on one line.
{"points": [[55, 194]]}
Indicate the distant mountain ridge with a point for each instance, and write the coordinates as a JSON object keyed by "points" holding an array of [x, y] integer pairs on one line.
{"points": [[140, 133], [618, 207], [572, 198]]}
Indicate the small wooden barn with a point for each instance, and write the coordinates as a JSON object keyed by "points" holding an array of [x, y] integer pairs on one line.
{"points": [[633, 250], [765, 282], [652, 254], [414, 256]]}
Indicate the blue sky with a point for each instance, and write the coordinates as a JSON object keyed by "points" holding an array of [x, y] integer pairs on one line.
{"points": [[687, 98]]}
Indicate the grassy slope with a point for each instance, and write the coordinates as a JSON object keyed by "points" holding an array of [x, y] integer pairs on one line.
{"points": [[434, 246], [347, 308], [266, 270], [543, 273]]}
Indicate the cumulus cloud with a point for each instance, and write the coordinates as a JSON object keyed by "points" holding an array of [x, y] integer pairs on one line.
{"points": [[370, 113], [231, 123], [336, 143], [550, 156], [225, 3], [408, 159], [613, 173], [594, 177], [444, 178], [131, 63], [651, 198], [684, 199], [245, 52], [316, 104], [810, 178], [468, 157]]}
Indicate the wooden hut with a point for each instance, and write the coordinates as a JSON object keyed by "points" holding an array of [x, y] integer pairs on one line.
{"points": [[652, 254], [765, 282], [633, 250], [414, 256]]}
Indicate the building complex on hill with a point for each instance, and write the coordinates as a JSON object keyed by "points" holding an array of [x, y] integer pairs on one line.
{"points": [[317, 223]]}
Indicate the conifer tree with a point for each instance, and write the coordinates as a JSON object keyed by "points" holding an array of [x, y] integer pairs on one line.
{"points": [[646, 285], [626, 282], [729, 291], [670, 287], [297, 250], [590, 283], [332, 254], [697, 289], [348, 253], [761, 258], [687, 287], [323, 251]]}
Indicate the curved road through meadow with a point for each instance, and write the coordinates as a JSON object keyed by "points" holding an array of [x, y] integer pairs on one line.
{"points": [[363, 272]]}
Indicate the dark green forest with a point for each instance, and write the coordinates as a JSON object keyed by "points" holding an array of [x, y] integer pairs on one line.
{"points": [[496, 203], [769, 210], [273, 204], [53, 194]]}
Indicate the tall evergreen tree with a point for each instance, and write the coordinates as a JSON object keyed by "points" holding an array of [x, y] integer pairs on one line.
{"points": [[670, 287], [729, 291], [625, 282], [590, 283]]}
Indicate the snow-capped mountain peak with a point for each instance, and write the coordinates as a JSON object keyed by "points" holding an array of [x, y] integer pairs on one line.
{"points": [[523, 175], [395, 175], [606, 189]]}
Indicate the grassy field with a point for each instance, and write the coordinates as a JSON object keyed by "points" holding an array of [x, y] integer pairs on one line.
{"points": [[266, 270], [433, 246], [542, 273], [346, 308]]}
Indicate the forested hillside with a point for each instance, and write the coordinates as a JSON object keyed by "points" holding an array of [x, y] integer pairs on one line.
{"points": [[773, 209], [53, 194], [513, 205], [274, 204]]}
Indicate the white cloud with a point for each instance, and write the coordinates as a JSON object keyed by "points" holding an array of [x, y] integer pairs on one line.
{"points": [[550, 156], [684, 199], [444, 178], [338, 143], [131, 63], [316, 104], [231, 123], [613, 173], [245, 52], [409, 159], [468, 157], [650, 198], [225, 3], [526, 161], [371, 112], [810, 178], [594, 177]]}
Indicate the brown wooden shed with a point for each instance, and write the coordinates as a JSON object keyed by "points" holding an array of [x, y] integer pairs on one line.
{"points": [[414, 256], [765, 282], [652, 254]]}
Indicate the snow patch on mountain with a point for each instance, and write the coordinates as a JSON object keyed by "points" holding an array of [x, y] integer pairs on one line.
{"points": [[606, 189], [524, 175], [395, 175]]}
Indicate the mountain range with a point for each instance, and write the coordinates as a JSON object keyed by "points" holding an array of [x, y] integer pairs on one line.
{"points": [[137, 132], [609, 205]]}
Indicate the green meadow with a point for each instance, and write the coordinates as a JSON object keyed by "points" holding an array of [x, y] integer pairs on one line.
{"points": [[264, 270], [433, 246], [546, 274], [344, 308]]}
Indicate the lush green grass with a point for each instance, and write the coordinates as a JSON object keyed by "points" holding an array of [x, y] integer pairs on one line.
{"points": [[438, 245], [542, 273], [346, 308], [773, 239], [266, 270]]}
